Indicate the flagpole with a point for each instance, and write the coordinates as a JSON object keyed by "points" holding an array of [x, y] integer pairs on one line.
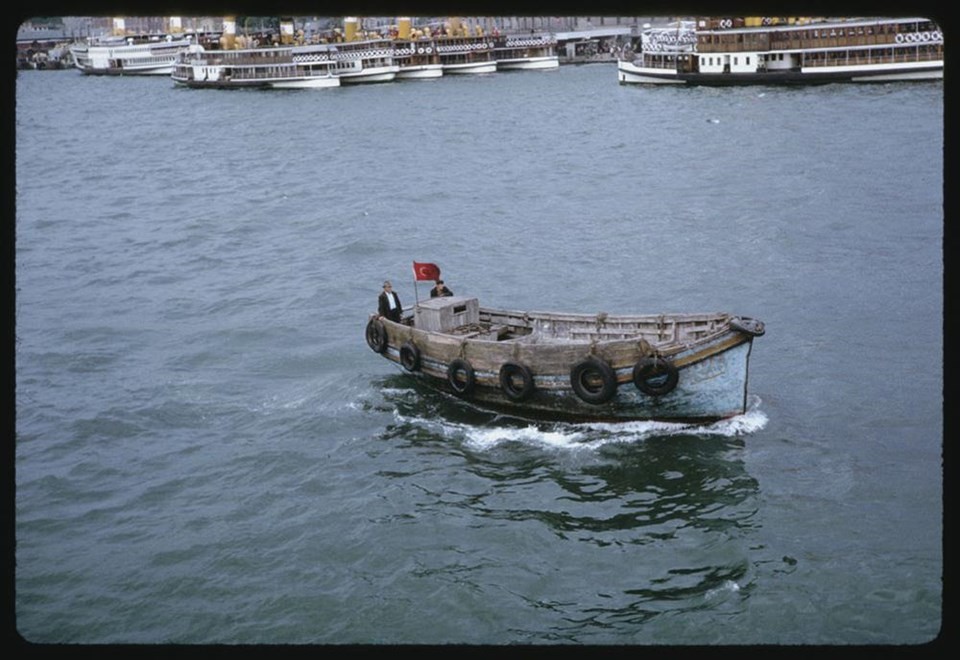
{"points": [[416, 291]]}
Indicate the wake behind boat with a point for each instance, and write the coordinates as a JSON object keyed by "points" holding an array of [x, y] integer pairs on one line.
{"points": [[671, 367]]}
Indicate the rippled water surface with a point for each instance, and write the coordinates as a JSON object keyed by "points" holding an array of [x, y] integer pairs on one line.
{"points": [[208, 452]]}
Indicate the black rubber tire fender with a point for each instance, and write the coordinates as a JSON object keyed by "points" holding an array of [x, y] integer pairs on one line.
{"points": [[584, 377], [461, 369], [649, 370], [410, 356], [510, 372], [376, 335]]}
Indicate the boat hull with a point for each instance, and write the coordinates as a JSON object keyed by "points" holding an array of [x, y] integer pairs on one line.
{"points": [[470, 67], [708, 391], [629, 73], [420, 72], [163, 70], [370, 75], [307, 83], [521, 64], [711, 372]]}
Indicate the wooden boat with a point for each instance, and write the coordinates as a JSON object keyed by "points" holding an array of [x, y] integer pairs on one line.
{"points": [[750, 51], [533, 51], [672, 367]]}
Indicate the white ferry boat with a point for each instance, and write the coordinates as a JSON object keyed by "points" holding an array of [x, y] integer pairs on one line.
{"points": [[415, 52], [370, 61], [417, 59], [534, 51], [745, 51], [464, 54], [120, 55], [284, 67]]}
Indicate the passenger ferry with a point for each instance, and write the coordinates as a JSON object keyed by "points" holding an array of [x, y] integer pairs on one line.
{"points": [[369, 61], [467, 54], [415, 52], [284, 67], [417, 59], [534, 51], [119, 55], [745, 51]]}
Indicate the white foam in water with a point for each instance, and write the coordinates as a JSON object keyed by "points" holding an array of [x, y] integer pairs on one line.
{"points": [[729, 586], [591, 435], [490, 437]]}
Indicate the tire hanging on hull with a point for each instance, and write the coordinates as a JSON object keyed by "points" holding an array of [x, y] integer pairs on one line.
{"points": [[655, 376], [593, 380], [461, 377], [376, 335], [410, 356], [516, 381]]}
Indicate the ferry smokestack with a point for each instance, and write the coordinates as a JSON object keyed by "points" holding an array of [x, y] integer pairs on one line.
{"points": [[286, 30], [350, 28], [403, 27], [229, 39]]}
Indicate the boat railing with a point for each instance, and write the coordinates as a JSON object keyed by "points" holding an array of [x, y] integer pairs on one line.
{"points": [[873, 56], [553, 327]]}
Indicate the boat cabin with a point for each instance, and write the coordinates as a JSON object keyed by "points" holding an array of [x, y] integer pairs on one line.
{"points": [[446, 313], [460, 316]]}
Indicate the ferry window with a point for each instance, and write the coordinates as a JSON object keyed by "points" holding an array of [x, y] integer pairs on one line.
{"points": [[736, 61], [747, 61]]}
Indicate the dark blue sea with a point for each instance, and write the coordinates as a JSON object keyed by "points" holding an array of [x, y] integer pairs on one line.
{"points": [[207, 452]]}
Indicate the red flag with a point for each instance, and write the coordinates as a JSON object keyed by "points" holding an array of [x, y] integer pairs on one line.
{"points": [[425, 271]]}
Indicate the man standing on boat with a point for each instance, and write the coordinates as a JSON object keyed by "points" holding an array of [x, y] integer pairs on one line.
{"points": [[440, 290], [389, 303]]}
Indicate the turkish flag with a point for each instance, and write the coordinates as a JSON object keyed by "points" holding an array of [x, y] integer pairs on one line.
{"points": [[425, 271]]}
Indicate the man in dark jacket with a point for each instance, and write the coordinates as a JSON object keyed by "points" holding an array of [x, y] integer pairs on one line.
{"points": [[440, 290], [389, 303]]}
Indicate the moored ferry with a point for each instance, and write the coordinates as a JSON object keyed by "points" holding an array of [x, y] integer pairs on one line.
{"points": [[467, 54], [118, 55], [284, 67], [415, 53], [369, 61], [533, 51], [417, 59], [755, 50]]}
